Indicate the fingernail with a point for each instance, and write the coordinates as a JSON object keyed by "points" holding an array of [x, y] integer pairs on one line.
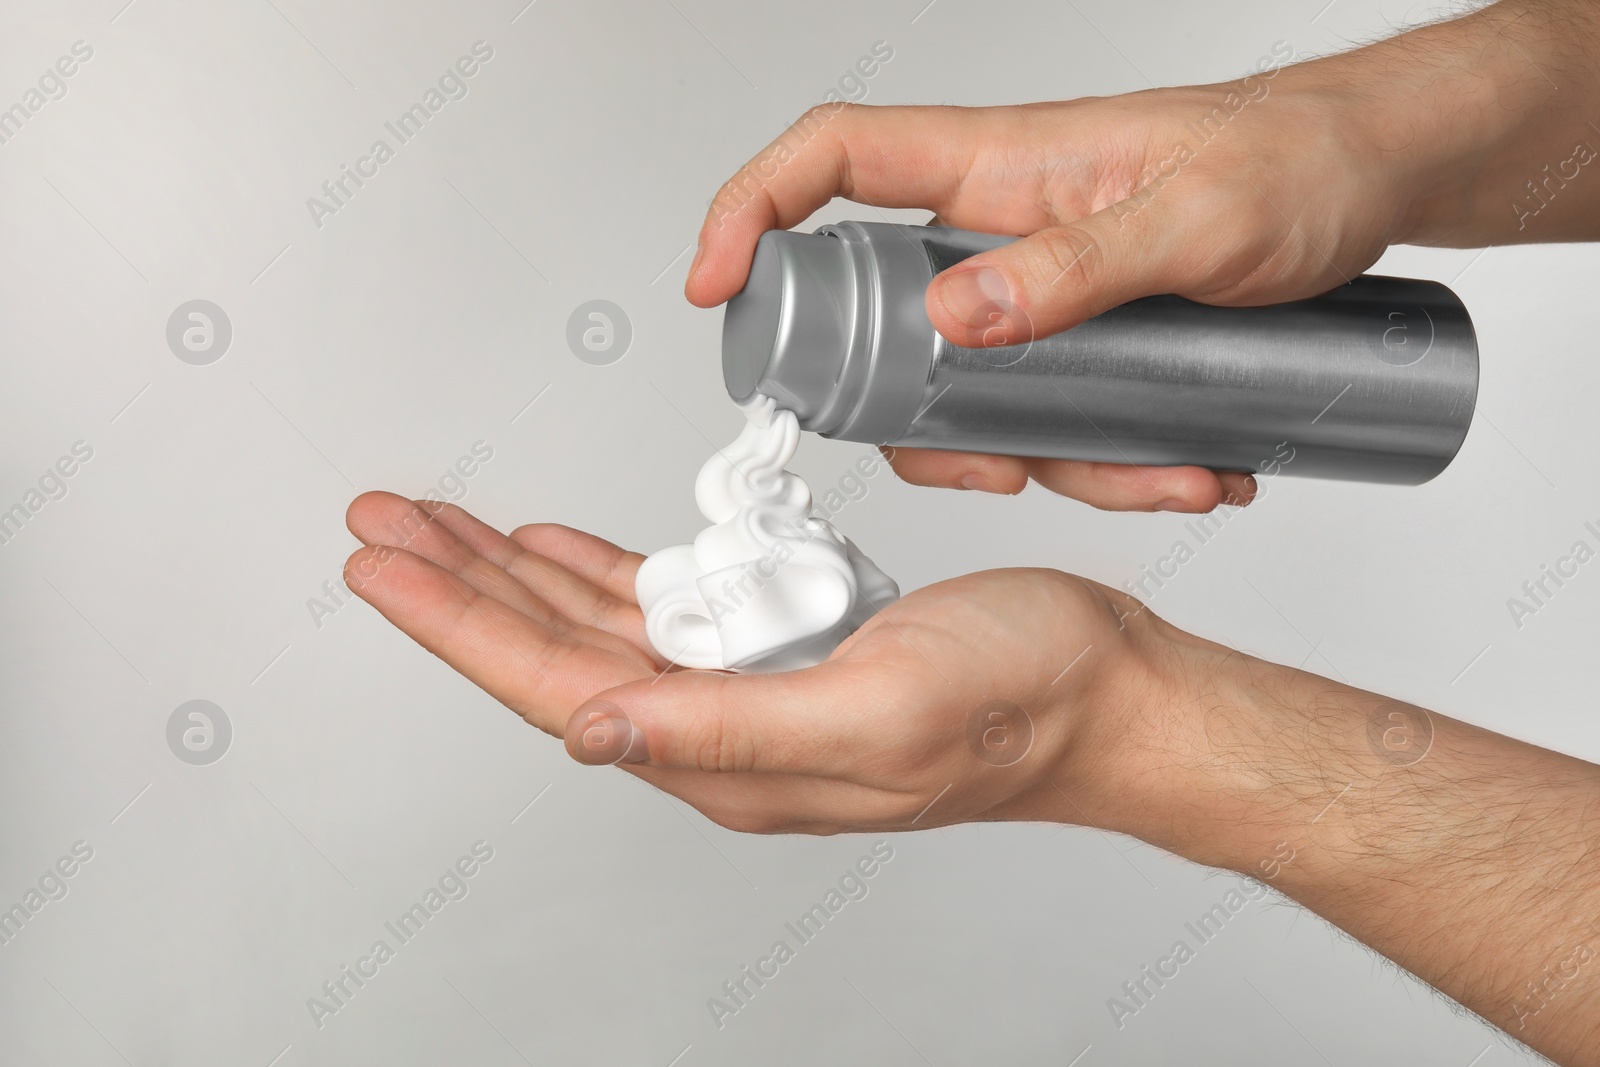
{"points": [[600, 734], [979, 298], [978, 482], [1174, 504]]}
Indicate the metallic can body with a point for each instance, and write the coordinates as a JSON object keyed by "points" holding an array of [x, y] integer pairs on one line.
{"points": [[1373, 381]]}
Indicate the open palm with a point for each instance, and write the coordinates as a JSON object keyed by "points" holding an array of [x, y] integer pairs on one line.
{"points": [[545, 620]]}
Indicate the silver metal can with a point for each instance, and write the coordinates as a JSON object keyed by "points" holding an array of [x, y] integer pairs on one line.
{"points": [[1373, 381]]}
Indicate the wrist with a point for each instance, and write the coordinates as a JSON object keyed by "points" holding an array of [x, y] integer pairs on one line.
{"points": [[1227, 760], [1147, 707], [1458, 117]]}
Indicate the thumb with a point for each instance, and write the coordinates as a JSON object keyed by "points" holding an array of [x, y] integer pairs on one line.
{"points": [[1058, 277], [710, 721]]}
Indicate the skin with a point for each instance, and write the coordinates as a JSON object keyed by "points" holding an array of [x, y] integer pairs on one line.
{"points": [[1028, 694]]}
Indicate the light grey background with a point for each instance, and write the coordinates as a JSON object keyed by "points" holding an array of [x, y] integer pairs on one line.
{"points": [[374, 351]]}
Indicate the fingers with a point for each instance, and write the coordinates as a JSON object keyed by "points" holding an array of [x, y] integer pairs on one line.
{"points": [[1238, 489], [560, 605], [600, 562], [883, 156], [1116, 487], [959, 470], [573, 595], [538, 674], [385, 519], [493, 564], [1061, 275], [824, 721], [1108, 486]]}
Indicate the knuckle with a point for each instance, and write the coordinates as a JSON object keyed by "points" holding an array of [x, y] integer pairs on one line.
{"points": [[1066, 252], [604, 614], [812, 115], [714, 748], [818, 115], [614, 569], [747, 186]]}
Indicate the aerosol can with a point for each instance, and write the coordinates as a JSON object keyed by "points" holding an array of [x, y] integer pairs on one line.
{"points": [[1374, 381]]}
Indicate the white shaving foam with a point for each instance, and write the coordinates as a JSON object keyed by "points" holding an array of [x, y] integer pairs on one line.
{"points": [[768, 586]]}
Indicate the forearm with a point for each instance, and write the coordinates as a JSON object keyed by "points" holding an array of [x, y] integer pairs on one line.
{"points": [[1489, 125], [1462, 855]]}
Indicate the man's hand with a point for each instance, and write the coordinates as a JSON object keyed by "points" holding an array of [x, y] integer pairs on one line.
{"points": [[914, 722], [1278, 186], [1464, 856]]}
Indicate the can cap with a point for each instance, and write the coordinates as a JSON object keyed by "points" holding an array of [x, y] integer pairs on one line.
{"points": [[788, 332]]}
